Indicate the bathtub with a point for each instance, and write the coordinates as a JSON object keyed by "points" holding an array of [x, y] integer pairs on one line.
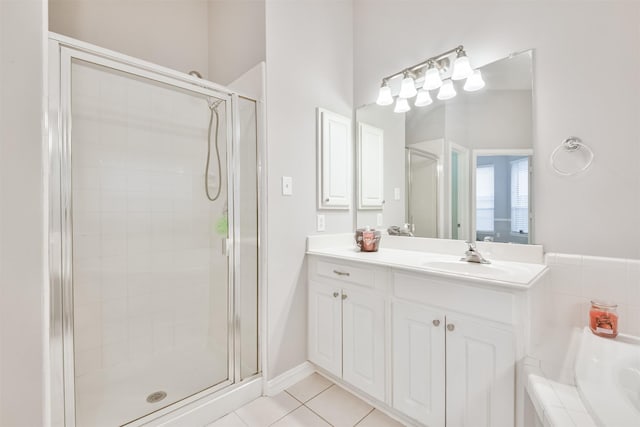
{"points": [[607, 373]]}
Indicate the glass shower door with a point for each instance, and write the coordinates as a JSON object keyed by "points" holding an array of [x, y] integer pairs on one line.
{"points": [[150, 276]]}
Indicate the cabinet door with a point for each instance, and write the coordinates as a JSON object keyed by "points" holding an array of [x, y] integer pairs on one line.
{"points": [[363, 341], [325, 327], [335, 146], [480, 375], [419, 363], [370, 167]]}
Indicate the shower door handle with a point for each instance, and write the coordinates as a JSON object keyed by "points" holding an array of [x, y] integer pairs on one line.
{"points": [[226, 247]]}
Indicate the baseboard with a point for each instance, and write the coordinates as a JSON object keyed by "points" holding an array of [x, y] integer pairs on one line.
{"points": [[289, 378]]}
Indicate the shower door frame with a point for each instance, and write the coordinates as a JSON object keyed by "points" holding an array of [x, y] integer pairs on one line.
{"points": [[62, 52]]}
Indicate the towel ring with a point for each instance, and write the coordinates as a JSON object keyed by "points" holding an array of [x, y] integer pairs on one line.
{"points": [[571, 145]]}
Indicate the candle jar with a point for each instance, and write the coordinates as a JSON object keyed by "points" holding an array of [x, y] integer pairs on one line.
{"points": [[603, 319]]}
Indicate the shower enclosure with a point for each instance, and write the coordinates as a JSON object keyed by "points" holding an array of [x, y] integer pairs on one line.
{"points": [[153, 208]]}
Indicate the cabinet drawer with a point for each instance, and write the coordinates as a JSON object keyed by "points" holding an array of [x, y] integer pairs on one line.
{"points": [[359, 274], [471, 300]]}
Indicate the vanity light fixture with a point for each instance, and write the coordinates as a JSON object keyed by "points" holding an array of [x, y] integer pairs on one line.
{"points": [[461, 66], [447, 91], [431, 71], [432, 79], [384, 96], [423, 98], [402, 106], [473, 83], [408, 86]]}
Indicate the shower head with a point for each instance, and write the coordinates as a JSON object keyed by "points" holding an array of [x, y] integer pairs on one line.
{"points": [[194, 73]]}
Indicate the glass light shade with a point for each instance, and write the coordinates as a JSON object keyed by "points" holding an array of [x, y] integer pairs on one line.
{"points": [[384, 96], [402, 106], [407, 88], [461, 68], [432, 79], [423, 98], [474, 82], [447, 91]]}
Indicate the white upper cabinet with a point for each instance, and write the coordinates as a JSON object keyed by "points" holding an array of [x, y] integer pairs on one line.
{"points": [[370, 167], [334, 160]]}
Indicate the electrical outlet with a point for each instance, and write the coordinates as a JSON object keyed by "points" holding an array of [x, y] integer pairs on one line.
{"points": [[320, 223], [379, 219], [396, 193], [287, 186]]}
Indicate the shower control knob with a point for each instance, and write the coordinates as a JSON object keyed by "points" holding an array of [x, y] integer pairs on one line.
{"points": [[336, 294], [451, 327], [436, 322]]}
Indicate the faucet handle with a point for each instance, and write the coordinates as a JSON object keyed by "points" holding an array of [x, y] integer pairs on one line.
{"points": [[472, 245]]}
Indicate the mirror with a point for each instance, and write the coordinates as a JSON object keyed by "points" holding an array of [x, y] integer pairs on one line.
{"points": [[455, 169]]}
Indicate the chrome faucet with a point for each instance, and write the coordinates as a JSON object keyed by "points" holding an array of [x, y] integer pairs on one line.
{"points": [[472, 254]]}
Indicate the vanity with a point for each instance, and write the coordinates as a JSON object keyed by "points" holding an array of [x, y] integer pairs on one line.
{"points": [[432, 339]]}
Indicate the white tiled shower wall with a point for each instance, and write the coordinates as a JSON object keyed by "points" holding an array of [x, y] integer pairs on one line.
{"points": [[149, 275]]}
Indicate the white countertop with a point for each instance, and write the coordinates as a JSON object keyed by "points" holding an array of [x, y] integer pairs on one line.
{"points": [[519, 275]]}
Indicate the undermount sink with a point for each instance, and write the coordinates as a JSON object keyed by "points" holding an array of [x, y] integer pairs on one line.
{"points": [[493, 271], [461, 266]]}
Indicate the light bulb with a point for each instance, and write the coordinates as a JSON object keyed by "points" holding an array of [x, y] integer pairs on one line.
{"points": [[408, 87], [474, 82], [384, 95], [447, 91], [423, 98], [402, 106], [432, 79], [461, 67]]}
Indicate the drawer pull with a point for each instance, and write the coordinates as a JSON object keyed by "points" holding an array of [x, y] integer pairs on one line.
{"points": [[341, 273], [336, 294], [450, 327], [436, 322]]}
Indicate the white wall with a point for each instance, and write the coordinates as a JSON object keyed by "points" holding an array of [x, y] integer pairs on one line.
{"points": [[172, 33], [22, 211], [235, 26], [309, 65], [595, 213]]}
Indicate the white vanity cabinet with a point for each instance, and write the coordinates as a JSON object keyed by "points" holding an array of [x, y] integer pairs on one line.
{"points": [[440, 349], [346, 329], [478, 360]]}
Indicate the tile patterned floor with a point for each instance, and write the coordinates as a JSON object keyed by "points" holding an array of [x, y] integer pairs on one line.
{"points": [[313, 402]]}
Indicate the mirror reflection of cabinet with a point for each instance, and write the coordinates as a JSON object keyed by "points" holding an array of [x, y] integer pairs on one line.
{"points": [[497, 117], [334, 160], [370, 151]]}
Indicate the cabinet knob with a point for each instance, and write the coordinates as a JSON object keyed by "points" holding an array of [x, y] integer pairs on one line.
{"points": [[344, 296], [450, 327], [336, 294], [436, 322]]}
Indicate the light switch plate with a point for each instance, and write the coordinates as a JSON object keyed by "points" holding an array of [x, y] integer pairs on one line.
{"points": [[379, 220], [321, 224], [287, 186], [396, 193]]}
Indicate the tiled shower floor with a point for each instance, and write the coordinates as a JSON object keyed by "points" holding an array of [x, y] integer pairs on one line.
{"points": [[314, 401]]}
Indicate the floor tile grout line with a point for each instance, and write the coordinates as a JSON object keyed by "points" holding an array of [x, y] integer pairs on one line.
{"points": [[320, 416], [362, 419], [240, 418], [294, 409]]}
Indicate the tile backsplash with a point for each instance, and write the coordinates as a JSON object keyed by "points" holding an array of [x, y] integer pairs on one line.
{"points": [[575, 280]]}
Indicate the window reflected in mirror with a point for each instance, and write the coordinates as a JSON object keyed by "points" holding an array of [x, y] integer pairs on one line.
{"points": [[502, 203]]}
